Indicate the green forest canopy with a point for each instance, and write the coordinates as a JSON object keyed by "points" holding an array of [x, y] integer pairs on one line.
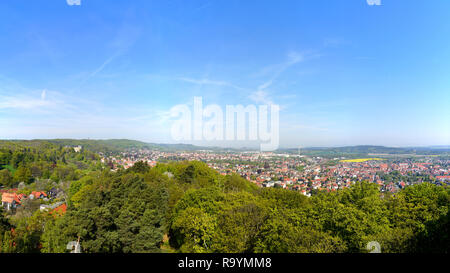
{"points": [[195, 209]]}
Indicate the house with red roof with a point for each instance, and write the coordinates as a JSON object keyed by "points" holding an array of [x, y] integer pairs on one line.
{"points": [[37, 195], [443, 177], [11, 200], [59, 210]]}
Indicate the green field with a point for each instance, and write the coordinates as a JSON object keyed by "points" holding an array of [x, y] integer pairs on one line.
{"points": [[357, 160]]}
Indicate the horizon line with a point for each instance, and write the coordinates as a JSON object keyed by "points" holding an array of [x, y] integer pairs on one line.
{"points": [[228, 147]]}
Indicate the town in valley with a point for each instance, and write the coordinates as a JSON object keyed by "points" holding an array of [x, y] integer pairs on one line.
{"points": [[304, 173]]}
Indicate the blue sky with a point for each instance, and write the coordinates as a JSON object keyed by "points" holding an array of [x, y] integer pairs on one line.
{"points": [[343, 72]]}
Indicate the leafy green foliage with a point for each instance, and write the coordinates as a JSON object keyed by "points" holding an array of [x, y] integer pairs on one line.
{"points": [[6, 179], [201, 211], [119, 213], [277, 220]]}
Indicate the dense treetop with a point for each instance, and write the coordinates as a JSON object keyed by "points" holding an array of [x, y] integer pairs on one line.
{"points": [[189, 207]]}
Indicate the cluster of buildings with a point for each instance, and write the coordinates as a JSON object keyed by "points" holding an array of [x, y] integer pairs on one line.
{"points": [[12, 199], [303, 173]]}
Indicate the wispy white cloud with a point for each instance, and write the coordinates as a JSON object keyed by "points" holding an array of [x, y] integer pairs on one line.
{"points": [[292, 59], [203, 6], [33, 113], [210, 82], [260, 94], [334, 42], [22, 102], [32, 100], [125, 37], [305, 127], [103, 65], [15, 97], [261, 97]]}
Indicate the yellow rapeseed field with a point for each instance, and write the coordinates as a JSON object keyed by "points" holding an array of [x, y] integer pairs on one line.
{"points": [[361, 159]]}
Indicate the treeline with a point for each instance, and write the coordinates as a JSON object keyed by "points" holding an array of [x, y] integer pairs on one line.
{"points": [[114, 146], [233, 216], [26, 161], [366, 150], [108, 146], [188, 207]]}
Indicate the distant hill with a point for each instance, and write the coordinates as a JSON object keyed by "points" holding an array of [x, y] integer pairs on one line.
{"points": [[370, 149], [118, 145], [110, 145]]}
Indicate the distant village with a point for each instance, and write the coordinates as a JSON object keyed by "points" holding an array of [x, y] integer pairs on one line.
{"points": [[306, 174], [303, 173]]}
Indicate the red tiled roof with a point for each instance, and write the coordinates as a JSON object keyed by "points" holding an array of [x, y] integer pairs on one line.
{"points": [[60, 209], [10, 197], [38, 194]]}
